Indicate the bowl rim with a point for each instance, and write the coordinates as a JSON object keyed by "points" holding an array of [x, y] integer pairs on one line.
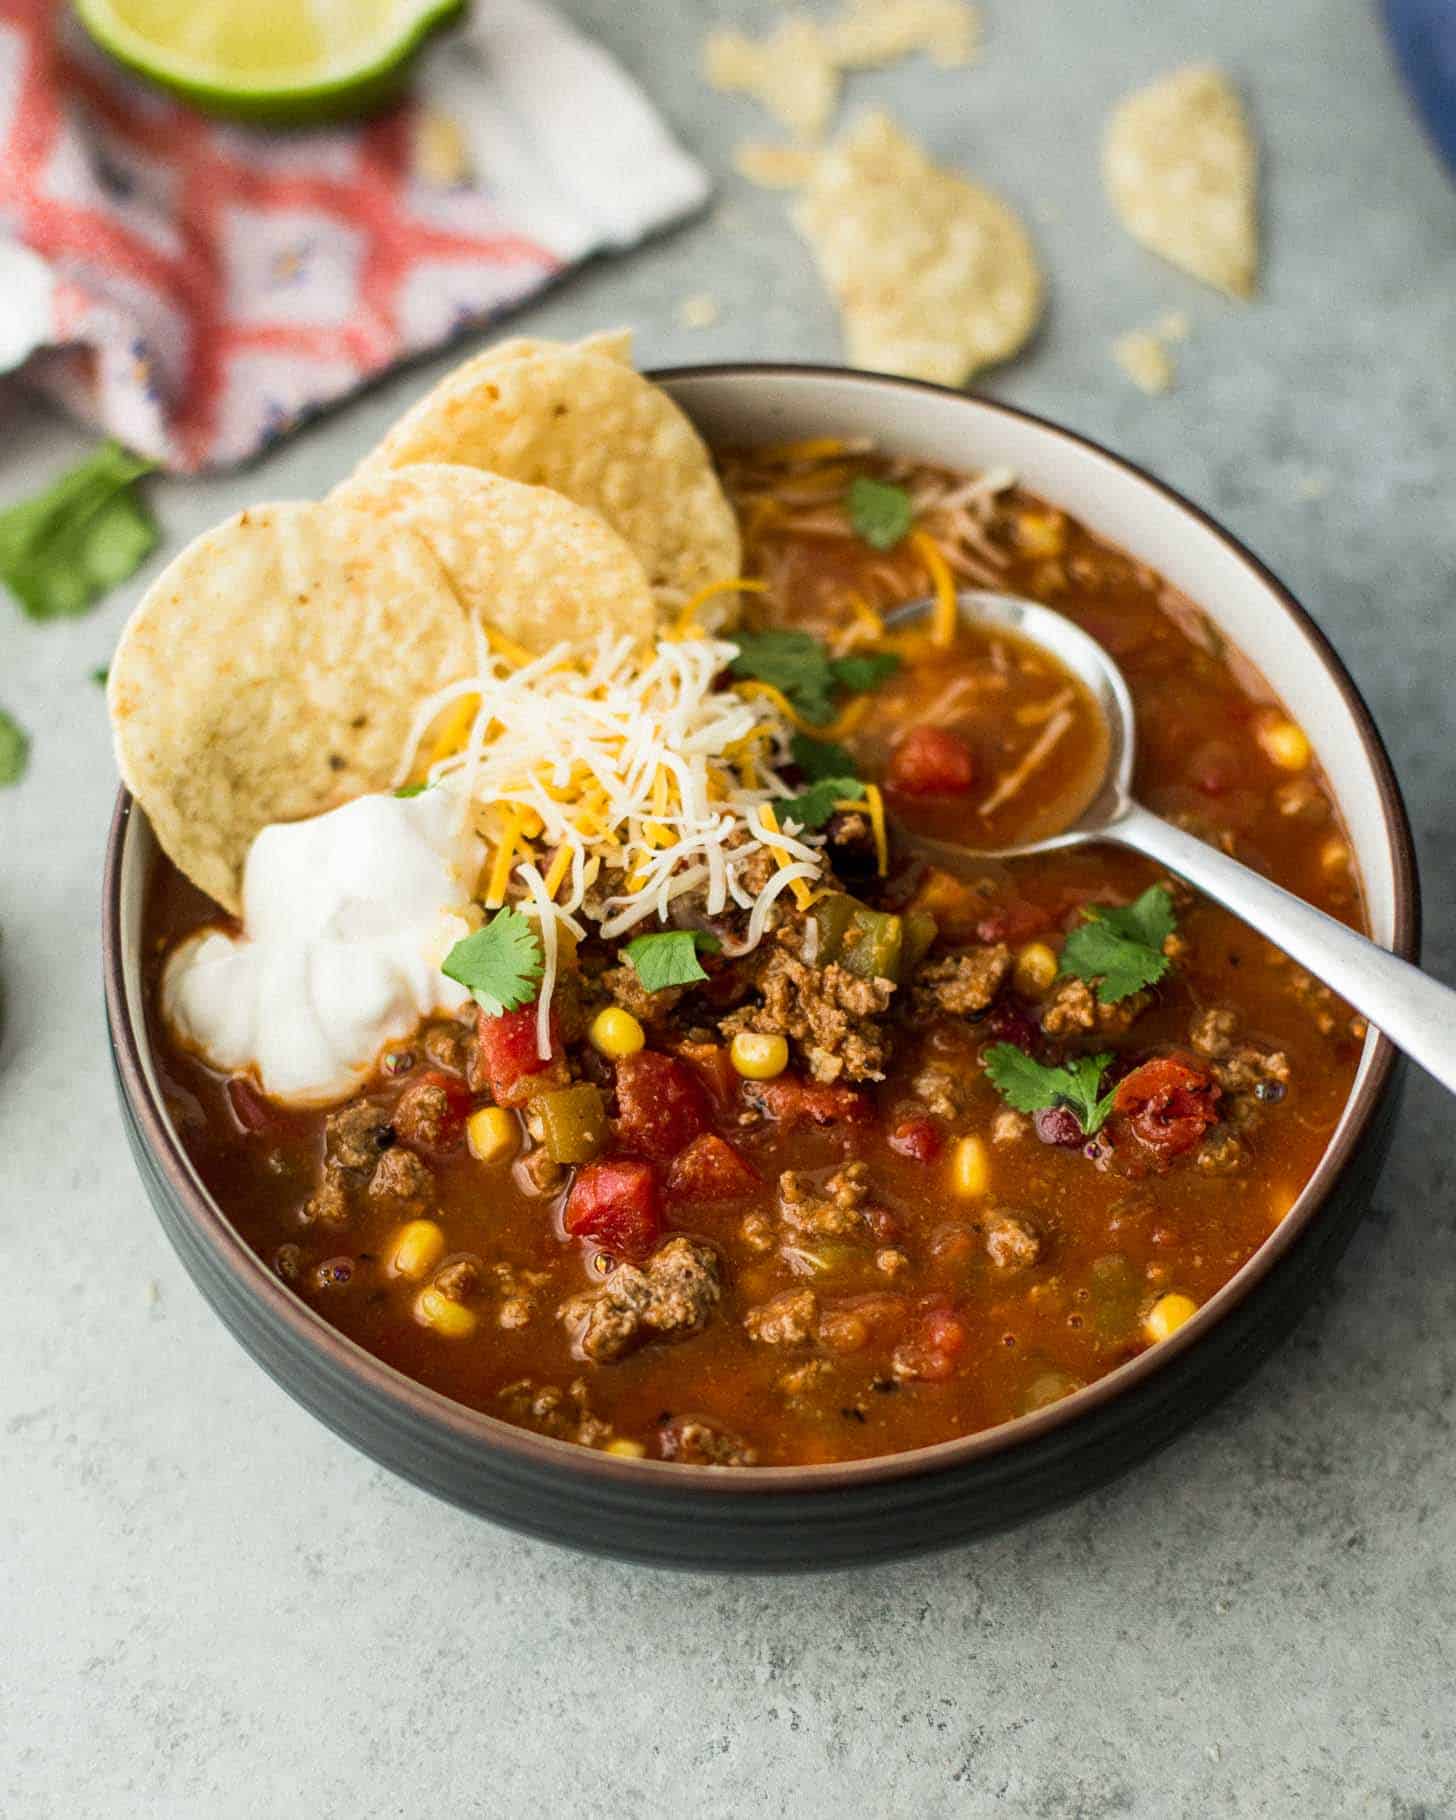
{"points": [[424, 1407]]}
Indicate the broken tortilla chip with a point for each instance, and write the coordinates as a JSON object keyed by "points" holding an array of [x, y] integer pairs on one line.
{"points": [[592, 428], [934, 276], [524, 560], [869, 34], [1181, 169], [790, 72], [271, 672]]}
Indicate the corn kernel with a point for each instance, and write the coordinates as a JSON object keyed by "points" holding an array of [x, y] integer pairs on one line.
{"points": [[1035, 969], [418, 1247], [626, 1450], [1284, 744], [1168, 1314], [970, 1168], [615, 1033], [1041, 533], [492, 1134], [759, 1058], [451, 1320]]}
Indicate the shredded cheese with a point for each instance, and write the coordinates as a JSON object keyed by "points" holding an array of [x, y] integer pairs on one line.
{"points": [[629, 775], [943, 620], [877, 824], [687, 620]]}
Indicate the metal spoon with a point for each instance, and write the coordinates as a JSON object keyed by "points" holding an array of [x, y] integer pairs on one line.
{"points": [[1417, 1013]]}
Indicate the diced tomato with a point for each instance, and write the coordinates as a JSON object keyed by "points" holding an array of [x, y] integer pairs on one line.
{"points": [[506, 1055], [931, 762], [661, 1102], [1169, 1103], [431, 1112], [920, 1139], [250, 1109], [616, 1205], [710, 1169], [1015, 921], [789, 1101], [713, 1065]]}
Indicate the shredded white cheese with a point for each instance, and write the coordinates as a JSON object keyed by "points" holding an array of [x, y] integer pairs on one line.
{"points": [[640, 765]]}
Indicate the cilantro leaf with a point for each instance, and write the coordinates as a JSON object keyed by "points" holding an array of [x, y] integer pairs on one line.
{"points": [[408, 790], [794, 663], [1121, 947], [501, 963], [865, 671], [14, 750], [101, 675], [799, 667], [820, 758], [814, 806], [85, 533], [1031, 1086], [671, 957], [880, 512]]}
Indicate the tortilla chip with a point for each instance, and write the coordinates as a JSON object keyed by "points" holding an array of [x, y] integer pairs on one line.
{"points": [[522, 559], [934, 276], [869, 34], [595, 430], [774, 167], [790, 72], [272, 672], [1181, 169]]}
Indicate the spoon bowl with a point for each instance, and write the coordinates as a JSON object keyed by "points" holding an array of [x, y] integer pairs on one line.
{"points": [[1417, 1013]]}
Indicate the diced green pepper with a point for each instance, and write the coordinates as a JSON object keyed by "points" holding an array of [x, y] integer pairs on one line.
{"points": [[873, 944], [920, 933], [574, 1123], [830, 916], [1117, 1293]]}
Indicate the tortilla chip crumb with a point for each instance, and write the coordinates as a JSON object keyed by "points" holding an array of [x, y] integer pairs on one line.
{"points": [[1312, 486], [1180, 167], [699, 311], [439, 153], [934, 276], [790, 72], [774, 167], [1146, 360]]}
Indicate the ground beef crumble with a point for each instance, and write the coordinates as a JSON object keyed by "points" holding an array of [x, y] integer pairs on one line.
{"points": [[831, 1013], [670, 1298], [961, 983]]}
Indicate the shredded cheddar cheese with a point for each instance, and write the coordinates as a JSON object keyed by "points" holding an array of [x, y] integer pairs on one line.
{"points": [[946, 611]]}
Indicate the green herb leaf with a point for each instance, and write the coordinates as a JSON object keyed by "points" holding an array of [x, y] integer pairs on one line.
{"points": [[14, 750], [501, 963], [821, 758], [88, 531], [797, 665], [670, 958], [101, 675], [814, 806], [866, 671], [1031, 1086], [1122, 947], [880, 513], [412, 789], [794, 663]]}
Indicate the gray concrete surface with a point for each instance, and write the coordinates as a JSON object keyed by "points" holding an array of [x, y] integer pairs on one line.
{"points": [[209, 1607]]}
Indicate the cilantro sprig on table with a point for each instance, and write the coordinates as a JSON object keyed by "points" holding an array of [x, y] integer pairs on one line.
{"points": [[1121, 948], [499, 964], [880, 512], [670, 958], [1032, 1086], [801, 669], [63, 548], [14, 750]]}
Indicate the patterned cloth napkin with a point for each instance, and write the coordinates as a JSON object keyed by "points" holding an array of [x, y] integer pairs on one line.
{"points": [[196, 289]]}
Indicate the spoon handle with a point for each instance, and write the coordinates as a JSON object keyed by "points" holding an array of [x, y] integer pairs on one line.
{"points": [[1417, 1013]]}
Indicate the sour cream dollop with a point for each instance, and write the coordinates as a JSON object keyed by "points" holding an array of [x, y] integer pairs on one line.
{"points": [[346, 919]]}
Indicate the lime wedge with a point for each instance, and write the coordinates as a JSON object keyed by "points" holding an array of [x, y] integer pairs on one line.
{"points": [[289, 62]]}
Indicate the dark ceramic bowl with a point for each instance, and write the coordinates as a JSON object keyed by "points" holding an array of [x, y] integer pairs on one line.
{"points": [[826, 1516]]}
